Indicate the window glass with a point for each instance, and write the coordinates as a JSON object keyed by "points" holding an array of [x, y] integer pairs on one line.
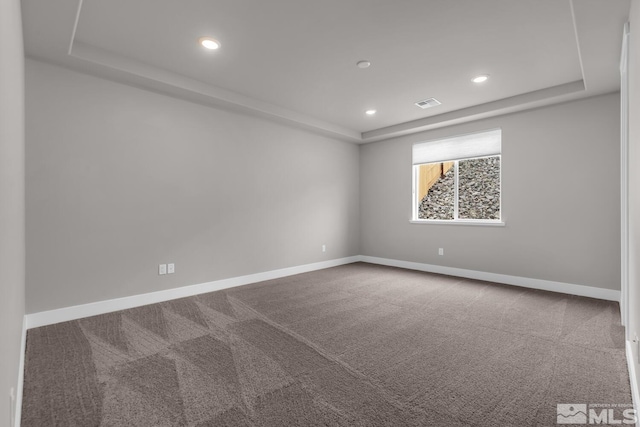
{"points": [[458, 178]]}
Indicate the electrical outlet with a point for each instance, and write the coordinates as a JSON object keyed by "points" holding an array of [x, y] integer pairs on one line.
{"points": [[440, 251], [162, 269], [171, 268], [324, 248]]}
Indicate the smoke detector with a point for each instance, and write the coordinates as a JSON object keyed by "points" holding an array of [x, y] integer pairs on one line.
{"points": [[428, 103]]}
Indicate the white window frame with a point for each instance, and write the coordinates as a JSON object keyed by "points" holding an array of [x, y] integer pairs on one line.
{"points": [[456, 220]]}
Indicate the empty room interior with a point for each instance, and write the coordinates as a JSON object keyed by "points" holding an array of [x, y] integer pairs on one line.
{"points": [[319, 213]]}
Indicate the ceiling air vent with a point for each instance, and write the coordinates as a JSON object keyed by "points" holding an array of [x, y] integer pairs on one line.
{"points": [[428, 103]]}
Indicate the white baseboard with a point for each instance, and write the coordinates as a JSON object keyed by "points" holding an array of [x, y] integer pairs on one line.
{"points": [[51, 317], [20, 386], [635, 395], [44, 318], [545, 285]]}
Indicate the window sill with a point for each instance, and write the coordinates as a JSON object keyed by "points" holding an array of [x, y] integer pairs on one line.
{"points": [[459, 222]]}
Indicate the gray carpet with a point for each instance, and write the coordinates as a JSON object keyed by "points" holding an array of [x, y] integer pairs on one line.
{"points": [[356, 345]]}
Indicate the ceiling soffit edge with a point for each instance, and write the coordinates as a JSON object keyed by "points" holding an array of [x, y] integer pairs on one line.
{"points": [[538, 98], [139, 74]]}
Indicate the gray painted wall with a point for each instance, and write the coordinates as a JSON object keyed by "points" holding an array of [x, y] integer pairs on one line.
{"points": [[634, 180], [120, 180], [12, 256], [560, 198]]}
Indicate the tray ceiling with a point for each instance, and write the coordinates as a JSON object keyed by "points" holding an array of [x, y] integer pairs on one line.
{"points": [[295, 60]]}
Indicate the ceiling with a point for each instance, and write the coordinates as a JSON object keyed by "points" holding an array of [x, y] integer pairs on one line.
{"points": [[295, 60]]}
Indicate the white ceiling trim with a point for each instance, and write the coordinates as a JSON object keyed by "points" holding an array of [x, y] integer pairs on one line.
{"points": [[135, 72], [197, 91], [538, 98], [75, 27], [575, 31]]}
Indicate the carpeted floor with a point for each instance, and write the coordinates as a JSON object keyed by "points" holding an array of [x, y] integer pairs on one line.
{"points": [[356, 345]]}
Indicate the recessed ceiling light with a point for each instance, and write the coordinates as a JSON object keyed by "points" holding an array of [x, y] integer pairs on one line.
{"points": [[209, 43], [370, 112], [480, 79], [363, 64]]}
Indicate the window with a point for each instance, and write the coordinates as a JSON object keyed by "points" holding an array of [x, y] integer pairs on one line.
{"points": [[457, 179]]}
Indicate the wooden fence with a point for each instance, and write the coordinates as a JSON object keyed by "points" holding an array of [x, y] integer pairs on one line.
{"points": [[429, 175]]}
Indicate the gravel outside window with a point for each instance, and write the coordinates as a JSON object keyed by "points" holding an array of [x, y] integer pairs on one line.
{"points": [[478, 192]]}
